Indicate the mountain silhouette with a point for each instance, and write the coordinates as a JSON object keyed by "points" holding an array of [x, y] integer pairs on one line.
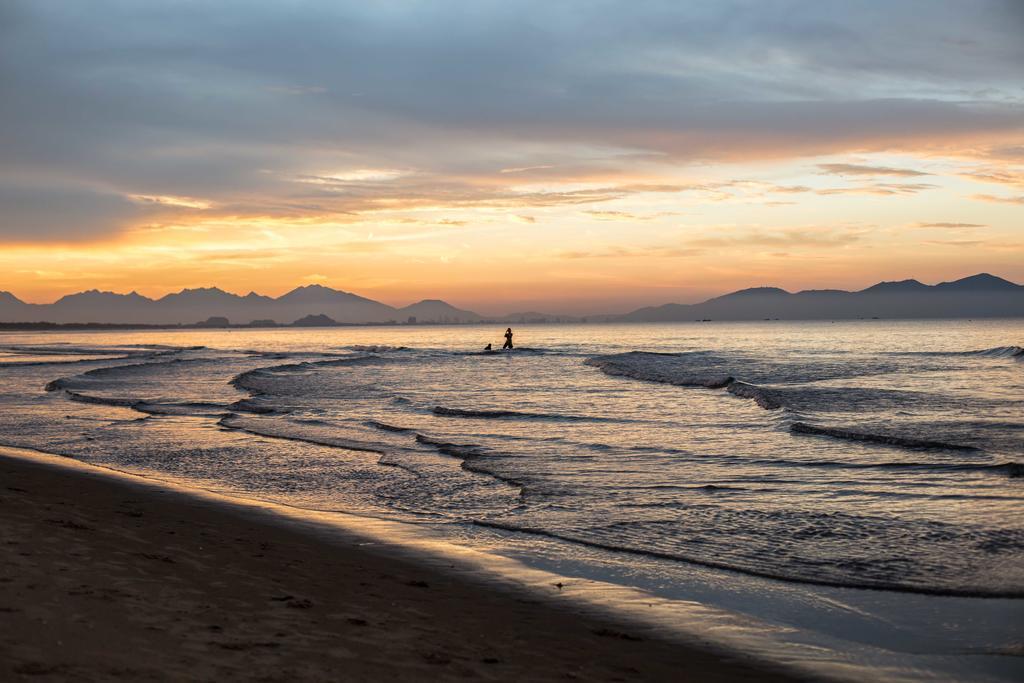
{"points": [[435, 310], [893, 287], [343, 307], [982, 282], [190, 306], [978, 296], [752, 291], [319, 320], [8, 299]]}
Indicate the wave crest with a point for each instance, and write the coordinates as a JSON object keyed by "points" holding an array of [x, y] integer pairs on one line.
{"points": [[762, 397], [444, 411], [651, 367], [887, 439], [1002, 352]]}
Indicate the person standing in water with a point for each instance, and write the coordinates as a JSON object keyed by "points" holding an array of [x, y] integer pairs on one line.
{"points": [[508, 339]]}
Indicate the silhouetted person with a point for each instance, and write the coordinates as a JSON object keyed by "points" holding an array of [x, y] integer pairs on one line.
{"points": [[508, 339], [487, 348]]}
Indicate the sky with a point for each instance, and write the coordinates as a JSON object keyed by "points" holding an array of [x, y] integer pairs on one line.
{"points": [[568, 157]]}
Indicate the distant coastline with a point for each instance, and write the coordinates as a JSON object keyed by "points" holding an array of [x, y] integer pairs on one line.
{"points": [[44, 326], [101, 327], [977, 296]]}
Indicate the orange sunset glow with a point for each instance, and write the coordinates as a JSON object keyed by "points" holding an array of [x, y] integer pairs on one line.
{"points": [[497, 180]]}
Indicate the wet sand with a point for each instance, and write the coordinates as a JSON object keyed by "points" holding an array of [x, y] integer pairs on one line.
{"points": [[117, 578]]}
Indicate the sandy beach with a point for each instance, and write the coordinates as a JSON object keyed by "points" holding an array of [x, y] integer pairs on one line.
{"points": [[113, 577]]}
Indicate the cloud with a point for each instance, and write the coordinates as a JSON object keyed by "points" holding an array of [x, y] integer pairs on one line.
{"points": [[240, 258], [998, 200], [522, 169], [356, 175], [949, 226], [421, 191], [755, 189], [184, 202], [955, 243], [626, 215], [620, 252], [157, 99], [789, 237], [880, 189], [789, 189], [66, 212], [1010, 152], [611, 215], [1000, 177], [859, 170]]}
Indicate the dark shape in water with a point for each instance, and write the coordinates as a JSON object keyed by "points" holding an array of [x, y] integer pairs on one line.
{"points": [[903, 441]]}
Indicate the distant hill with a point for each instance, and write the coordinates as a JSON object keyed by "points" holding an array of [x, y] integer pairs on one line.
{"points": [[754, 291], [319, 320], [982, 282], [343, 307], [437, 311], [190, 305], [97, 306], [978, 296], [893, 287], [12, 305]]}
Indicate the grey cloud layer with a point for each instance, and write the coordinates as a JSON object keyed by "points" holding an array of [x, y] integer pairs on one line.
{"points": [[233, 102]]}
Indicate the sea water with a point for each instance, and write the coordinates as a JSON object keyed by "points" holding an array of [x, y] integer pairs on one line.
{"points": [[777, 469]]}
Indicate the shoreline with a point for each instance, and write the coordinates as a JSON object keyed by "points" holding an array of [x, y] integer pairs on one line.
{"points": [[833, 632], [195, 585]]}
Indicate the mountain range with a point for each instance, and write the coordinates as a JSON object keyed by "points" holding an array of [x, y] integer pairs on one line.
{"points": [[977, 296], [195, 305]]}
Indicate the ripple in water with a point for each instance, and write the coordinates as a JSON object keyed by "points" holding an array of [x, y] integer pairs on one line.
{"points": [[787, 459]]}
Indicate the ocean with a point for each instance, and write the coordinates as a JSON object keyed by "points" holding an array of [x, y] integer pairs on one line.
{"points": [[855, 487]]}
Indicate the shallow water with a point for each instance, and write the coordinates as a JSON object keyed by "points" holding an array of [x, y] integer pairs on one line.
{"points": [[869, 454]]}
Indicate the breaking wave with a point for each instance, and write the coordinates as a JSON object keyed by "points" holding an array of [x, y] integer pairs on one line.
{"points": [[1012, 469], [384, 427], [444, 411], [753, 569], [762, 397], [688, 370], [231, 421], [631, 365], [249, 380], [1003, 352], [638, 365], [84, 379], [994, 352], [887, 439], [471, 457], [780, 506]]}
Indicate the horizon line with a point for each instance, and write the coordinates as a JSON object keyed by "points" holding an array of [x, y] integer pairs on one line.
{"points": [[514, 312]]}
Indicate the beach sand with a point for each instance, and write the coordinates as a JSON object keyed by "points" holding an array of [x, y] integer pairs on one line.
{"points": [[107, 577]]}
